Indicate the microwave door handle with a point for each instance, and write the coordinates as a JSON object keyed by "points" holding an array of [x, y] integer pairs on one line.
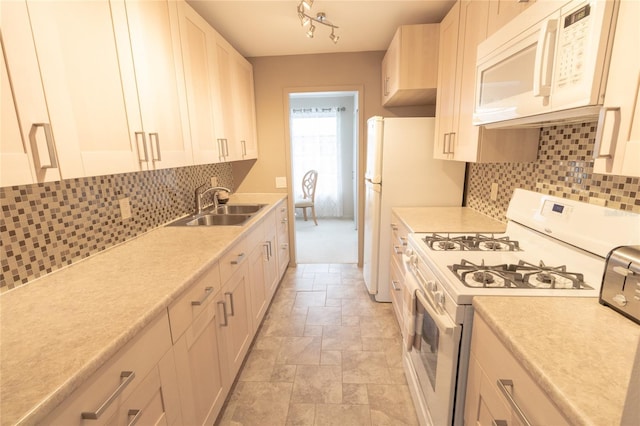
{"points": [[543, 68]]}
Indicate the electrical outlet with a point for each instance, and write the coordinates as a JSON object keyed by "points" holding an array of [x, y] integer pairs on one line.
{"points": [[281, 182], [125, 208], [214, 181], [494, 191]]}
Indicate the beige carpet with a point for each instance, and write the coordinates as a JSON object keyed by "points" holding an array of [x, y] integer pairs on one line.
{"points": [[332, 241]]}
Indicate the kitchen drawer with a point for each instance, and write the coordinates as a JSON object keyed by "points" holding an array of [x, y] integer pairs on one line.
{"points": [[231, 261], [194, 300], [139, 357], [396, 290], [498, 363], [399, 239]]}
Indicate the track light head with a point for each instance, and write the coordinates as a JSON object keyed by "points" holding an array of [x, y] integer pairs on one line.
{"points": [[320, 18]]}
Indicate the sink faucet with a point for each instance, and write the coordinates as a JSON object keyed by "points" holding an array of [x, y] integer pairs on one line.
{"points": [[202, 190]]}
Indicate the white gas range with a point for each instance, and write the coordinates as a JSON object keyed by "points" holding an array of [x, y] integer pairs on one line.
{"points": [[551, 247]]}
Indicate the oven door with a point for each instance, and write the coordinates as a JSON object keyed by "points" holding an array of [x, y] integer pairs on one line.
{"points": [[434, 357]]}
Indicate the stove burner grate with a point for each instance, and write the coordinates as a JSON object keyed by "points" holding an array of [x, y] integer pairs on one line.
{"points": [[522, 275], [477, 242]]}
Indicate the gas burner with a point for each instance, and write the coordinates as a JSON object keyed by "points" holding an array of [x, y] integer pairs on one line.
{"points": [[478, 242], [473, 275], [522, 275], [543, 276]]}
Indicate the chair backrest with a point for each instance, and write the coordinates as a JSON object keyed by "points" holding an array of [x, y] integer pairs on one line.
{"points": [[309, 181]]}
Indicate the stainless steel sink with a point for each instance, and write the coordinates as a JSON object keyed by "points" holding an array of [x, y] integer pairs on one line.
{"points": [[218, 220], [227, 209]]}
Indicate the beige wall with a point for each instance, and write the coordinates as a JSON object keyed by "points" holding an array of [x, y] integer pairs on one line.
{"points": [[276, 76]]}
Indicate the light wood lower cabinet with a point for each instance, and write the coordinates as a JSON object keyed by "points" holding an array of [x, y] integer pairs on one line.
{"points": [[132, 381], [399, 241], [282, 236], [493, 373], [235, 331], [180, 368]]}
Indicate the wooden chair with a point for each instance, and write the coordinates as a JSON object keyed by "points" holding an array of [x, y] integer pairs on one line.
{"points": [[309, 181]]}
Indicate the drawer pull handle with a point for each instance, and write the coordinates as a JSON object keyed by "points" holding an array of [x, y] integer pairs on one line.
{"points": [[397, 250], [207, 293], [238, 259], [502, 385], [403, 241], [128, 377], [499, 423], [394, 284], [394, 227], [228, 293], [285, 220], [136, 413], [224, 313]]}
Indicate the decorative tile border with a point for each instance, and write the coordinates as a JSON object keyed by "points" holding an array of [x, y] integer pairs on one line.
{"points": [[564, 168], [49, 225]]}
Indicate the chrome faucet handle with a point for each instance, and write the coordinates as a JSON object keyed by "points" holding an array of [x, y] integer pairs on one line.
{"points": [[200, 193]]}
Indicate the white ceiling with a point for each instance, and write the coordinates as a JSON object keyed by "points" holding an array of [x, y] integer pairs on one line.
{"points": [[272, 28]]}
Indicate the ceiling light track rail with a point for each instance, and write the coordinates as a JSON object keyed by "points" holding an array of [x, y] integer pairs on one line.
{"points": [[320, 18]]}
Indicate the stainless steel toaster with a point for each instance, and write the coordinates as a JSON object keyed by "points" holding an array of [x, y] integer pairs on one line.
{"points": [[620, 288]]}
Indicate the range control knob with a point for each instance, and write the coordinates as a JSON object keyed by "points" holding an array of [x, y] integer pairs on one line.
{"points": [[620, 299]]}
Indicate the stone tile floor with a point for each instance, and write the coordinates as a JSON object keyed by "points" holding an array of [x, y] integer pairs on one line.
{"points": [[326, 354]]}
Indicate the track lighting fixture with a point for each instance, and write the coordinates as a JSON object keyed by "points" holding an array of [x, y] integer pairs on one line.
{"points": [[320, 18]]}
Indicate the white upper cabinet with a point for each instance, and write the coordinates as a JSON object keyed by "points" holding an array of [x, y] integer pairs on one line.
{"points": [[16, 164], [464, 27], [160, 121], [410, 66], [200, 65], [63, 67], [617, 148], [244, 107]]}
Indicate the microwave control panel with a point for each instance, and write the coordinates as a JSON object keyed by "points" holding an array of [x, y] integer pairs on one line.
{"points": [[572, 46]]}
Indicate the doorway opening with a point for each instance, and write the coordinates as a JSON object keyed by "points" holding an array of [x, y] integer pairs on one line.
{"points": [[323, 129]]}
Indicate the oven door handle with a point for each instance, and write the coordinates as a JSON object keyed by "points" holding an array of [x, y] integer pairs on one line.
{"points": [[443, 322]]}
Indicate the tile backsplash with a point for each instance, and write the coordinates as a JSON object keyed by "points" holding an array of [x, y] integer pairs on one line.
{"points": [[49, 225], [564, 168]]}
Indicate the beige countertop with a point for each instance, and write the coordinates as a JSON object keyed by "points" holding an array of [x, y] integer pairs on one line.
{"points": [[447, 219], [579, 352], [59, 329]]}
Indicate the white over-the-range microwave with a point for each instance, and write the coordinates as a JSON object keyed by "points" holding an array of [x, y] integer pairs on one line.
{"points": [[549, 64]]}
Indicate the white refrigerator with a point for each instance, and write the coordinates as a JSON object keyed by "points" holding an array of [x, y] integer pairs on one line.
{"points": [[401, 172]]}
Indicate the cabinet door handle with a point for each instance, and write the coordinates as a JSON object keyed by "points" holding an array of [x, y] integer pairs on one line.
{"points": [[144, 146], [220, 149], [232, 310], [226, 147], [386, 86], [128, 377], [444, 143], [394, 227], [136, 413], [244, 148], [266, 246], [452, 140], [397, 250], [224, 314], [207, 292], [238, 259], [602, 118], [403, 241], [502, 385], [285, 220], [155, 136], [394, 284], [51, 162], [499, 422]]}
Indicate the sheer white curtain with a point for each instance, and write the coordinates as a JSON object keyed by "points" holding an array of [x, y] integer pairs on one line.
{"points": [[315, 144]]}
